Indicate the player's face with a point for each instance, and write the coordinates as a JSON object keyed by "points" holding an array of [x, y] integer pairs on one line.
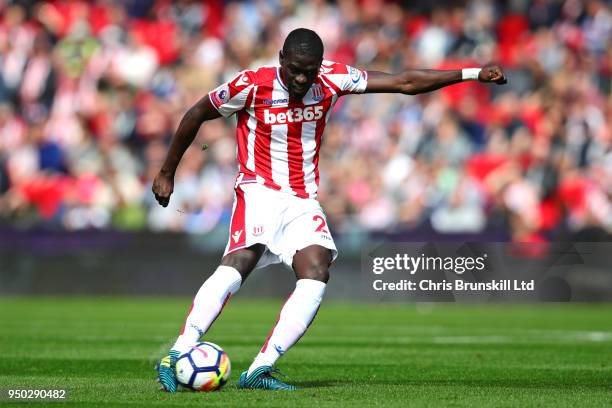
{"points": [[299, 72]]}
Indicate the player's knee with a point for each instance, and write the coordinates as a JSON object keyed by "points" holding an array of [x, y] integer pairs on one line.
{"points": [[316, 270], [239, 263], [243, 260]]}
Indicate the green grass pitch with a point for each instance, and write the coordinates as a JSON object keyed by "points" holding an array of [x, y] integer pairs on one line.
{"points": [[103, 351]]}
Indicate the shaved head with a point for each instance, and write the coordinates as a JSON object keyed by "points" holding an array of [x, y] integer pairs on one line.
{"points": [[303, 41]]}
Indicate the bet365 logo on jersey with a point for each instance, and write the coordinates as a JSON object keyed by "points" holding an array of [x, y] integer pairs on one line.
{"points": [[282, 116]]}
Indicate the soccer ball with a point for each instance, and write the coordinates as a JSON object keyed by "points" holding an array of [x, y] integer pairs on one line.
{"points": [[205, 367]]}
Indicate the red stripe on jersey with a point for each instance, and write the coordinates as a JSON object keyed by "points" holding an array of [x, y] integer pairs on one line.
{"points": [[333, 86], [318, 135], [331, 67], [242, 81], [263, 137], [242, 133], [237, 234], [295, 155]]}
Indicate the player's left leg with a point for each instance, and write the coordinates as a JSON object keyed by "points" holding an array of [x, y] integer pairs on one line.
{"points": [[311, 266]]}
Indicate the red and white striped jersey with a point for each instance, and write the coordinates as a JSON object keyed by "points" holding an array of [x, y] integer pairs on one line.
{"points": [[278, 139]]}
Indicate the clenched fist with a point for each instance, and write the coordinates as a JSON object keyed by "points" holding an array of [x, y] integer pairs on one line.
{"points": [[492, 73], [163, 186]]}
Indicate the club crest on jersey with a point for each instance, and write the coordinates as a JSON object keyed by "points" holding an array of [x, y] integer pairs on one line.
{"points": [[317, 92], [258, 230]]}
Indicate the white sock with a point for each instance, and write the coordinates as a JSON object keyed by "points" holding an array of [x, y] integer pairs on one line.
{"points": [[207, 305], [295, 317]]}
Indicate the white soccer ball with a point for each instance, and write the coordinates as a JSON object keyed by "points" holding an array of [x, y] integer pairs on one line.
{"points": [[206, 367]]}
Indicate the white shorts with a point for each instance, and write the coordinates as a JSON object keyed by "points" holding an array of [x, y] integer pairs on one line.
{"points": [[282, 222]]}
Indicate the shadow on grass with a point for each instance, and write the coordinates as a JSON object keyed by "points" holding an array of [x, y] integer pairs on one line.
{"points": [[318, 384]]}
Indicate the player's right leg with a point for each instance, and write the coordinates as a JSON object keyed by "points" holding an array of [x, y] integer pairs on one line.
{"points": [[207, 305]]}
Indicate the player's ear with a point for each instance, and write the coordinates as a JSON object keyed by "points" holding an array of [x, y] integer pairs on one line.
{"points": [[281, 57]]}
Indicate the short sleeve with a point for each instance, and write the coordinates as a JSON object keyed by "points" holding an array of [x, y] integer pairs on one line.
{"points": [[231, 96], [348, 79]]}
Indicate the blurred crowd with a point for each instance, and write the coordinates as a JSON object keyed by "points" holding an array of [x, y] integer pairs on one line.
{"points": [[91, 93]]}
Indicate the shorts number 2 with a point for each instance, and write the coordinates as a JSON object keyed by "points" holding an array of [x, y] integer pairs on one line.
{"points": [[322, 225]]}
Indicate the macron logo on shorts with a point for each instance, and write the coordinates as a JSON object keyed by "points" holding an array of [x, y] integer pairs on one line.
{"points": [[236, 236]]}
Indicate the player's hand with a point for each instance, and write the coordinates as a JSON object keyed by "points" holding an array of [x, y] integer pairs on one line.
{"points": [[492, 73], [163, 186]]}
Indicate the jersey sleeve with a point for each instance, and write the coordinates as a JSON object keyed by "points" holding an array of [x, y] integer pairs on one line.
{"points": [[231, 96], [348, 79]]}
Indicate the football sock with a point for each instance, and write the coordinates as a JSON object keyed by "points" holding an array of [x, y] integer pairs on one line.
{"points": [[207, 305], [295, 317]]}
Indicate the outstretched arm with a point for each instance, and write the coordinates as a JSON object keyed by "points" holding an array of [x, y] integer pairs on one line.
{"points": [[416, 81], [163, 185]]}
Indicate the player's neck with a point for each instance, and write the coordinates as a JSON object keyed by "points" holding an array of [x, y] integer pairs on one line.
{"points": [[281, 78]]}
